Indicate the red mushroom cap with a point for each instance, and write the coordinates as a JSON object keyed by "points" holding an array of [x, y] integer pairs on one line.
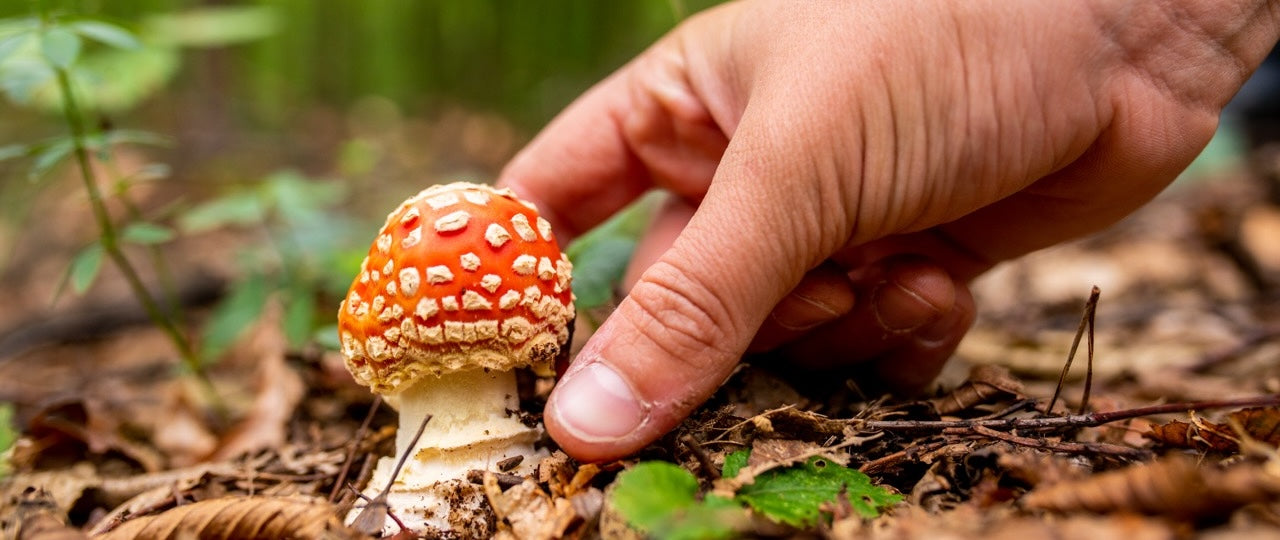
{"points": [[462, 276]]}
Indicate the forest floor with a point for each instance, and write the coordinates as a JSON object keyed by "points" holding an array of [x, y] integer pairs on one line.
{"points": [[1166, 425]]}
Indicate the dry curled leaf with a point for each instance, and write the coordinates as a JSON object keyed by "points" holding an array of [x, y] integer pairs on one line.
{"points": [[1259, 423], [1175, 486], [798, 424], [237, 517], [987, 382], [36, 516], [526, 512]]}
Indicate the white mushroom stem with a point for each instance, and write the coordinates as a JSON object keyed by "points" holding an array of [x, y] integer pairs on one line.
{"points": [[474, 425]]}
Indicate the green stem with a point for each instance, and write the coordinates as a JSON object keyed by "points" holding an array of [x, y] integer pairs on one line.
{"points": [[111, 243], [169, 289]]}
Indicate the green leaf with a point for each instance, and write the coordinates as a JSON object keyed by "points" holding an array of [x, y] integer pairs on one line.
{"points": [[660, 499], [105, 32], [598, 267], [13, 151], [136, 136], [11, 44], [735, 462], [23, 79], [794, 495], [241, 209], [235, 313], [60, 46], [600, 257], [49, 157], [651, 491], [85, 267], [146, 233]]}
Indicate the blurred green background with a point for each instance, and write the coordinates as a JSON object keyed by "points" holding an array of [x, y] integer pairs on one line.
{"points": [[262, 142]]}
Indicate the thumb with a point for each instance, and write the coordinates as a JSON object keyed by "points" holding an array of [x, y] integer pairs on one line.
{"points": [[684, 325]]}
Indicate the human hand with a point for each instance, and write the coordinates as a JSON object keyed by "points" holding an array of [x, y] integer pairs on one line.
{"points": [[842, 169]]}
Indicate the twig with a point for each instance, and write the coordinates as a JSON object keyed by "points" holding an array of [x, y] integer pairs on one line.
{"points": [[701, 455], [884, 462], [1060, 446], [1017, 406], [1091, 310], [371, 519], [1086, 320], [351, 449], [505, 480], [1068, 421]]}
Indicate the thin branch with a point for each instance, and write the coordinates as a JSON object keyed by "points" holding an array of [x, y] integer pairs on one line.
{"points": [[1090, 311], [351, 449], [1049, 423], [1075, 344], [1061, 446]]}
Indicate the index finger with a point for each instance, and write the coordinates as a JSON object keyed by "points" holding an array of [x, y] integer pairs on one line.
{"points": [[581, 156], [642, 127]]}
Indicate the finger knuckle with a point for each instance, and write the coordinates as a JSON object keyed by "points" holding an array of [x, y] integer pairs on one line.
{"points": [[683, 316]]}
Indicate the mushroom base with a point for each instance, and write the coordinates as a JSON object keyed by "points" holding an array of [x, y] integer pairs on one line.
{"points": [[474, 425]]}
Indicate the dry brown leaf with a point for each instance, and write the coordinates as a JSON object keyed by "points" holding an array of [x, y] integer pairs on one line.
{"points": [[237, 517], [556, 471], [528, 513], [769, 454], [1259, 423], [987, 382], [969, 522], [181, 433], [798, 424], [1036, 467], [84, 421], [1198, 434], [36, 516], [63, 487], [279, 390], [1175, 486]]}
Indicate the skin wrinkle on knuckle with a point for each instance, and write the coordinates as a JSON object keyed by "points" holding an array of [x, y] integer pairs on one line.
{"points": [[677, 321]]}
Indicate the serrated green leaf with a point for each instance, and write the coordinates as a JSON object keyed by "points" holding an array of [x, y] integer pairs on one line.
{"points": [[107, 33], [794, 495], [85, 267], [652, 491], [660, 499], [241, 209], [298, 314], [734, 462], [60, 46], [143, 233], [235, 313]]}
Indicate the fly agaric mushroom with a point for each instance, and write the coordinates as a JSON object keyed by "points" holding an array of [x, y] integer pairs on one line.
{"points": [[464, 284]]}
